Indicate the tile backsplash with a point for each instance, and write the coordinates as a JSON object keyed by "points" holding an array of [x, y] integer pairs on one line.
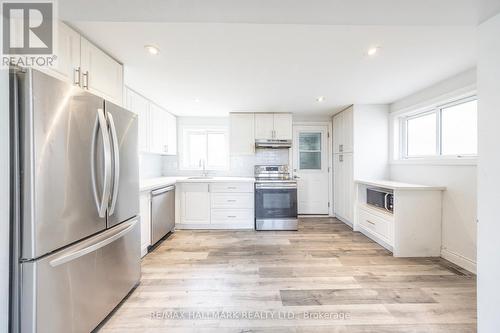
{"points": [[150, 165], [239, 166]]}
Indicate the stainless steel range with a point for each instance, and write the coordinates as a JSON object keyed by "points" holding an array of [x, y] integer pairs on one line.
{"points": [[275, 198]]}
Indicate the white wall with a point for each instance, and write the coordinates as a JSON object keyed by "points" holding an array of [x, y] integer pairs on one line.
{"points": [[371, 139], [4, 200], [460, 199], [489, 176]]}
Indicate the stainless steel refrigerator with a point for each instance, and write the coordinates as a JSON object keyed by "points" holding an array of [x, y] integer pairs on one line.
{"points": [[75, 236]]}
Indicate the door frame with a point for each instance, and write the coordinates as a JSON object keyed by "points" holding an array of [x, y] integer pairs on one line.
{"points": [[329, 141]]}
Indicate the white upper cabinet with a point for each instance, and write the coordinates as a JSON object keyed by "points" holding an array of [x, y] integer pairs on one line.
{"points": [[264, 126], [140, 105], [161, 140], [157, 127], [67, 64], [81, 63], [283, 126], [101, 74], [171, 134], [242, 133], [343, 130], [273, 126]]}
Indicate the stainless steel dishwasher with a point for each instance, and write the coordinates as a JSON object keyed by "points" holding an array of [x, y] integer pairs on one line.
{"points": [[162, 212]]}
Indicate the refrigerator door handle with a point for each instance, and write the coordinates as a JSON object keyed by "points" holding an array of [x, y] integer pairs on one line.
{"points": [[116, 159], [110, 237], [102, 124]]}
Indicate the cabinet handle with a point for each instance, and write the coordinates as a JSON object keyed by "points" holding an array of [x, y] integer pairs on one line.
{"points": [[231, 201], [86, 80], [372, 223], [341, 148], [341, 158], [76, 76], [231, 216], [231, 188]]}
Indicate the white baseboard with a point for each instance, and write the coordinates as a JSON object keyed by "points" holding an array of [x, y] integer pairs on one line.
{"points": [[459, 260], [344, 220]]}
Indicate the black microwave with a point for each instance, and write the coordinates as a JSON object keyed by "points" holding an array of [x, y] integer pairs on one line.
{"points": [[381, 198]]}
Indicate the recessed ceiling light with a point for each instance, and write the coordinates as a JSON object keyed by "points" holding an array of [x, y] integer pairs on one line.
{"points": [[152, 49], [197, 100], [372, 51], [320, 99]]}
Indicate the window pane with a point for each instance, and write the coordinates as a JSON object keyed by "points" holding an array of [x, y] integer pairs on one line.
{"points": [[459, 129], [196, 148], [310, 160], [310, 141], [216, 150], [421, 135]]}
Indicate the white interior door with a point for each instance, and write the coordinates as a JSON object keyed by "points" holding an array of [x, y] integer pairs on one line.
{"points": [[310, 163]]}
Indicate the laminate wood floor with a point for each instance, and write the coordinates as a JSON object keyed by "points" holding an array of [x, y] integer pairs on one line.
{"points": [[322, 278]]}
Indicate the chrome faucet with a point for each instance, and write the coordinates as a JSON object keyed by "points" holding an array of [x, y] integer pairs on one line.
{"points": [[202, 165]]}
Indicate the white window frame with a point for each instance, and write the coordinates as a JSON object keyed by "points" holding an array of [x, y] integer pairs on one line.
{"points": [[439, 157], [185, 130]]}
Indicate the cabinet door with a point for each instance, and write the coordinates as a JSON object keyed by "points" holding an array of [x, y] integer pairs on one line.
{"points": [[67, 64], [338, 133], [195, 204], [264, 126], [171, 134], [145, 211], [242, 133], [348, 182], [283, 126], [158, 129], [101, 74], [338, 184], [347, 128], [139, 105]]}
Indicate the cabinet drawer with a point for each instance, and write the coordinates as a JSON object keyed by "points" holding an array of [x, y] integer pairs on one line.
{"points": [[194, 187], [231, 215], [232, 187], [233, 200], [375, 224]]}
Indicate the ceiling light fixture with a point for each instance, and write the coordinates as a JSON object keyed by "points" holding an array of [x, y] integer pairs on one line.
{"points": [[152, 49], [372, 51], [320, 99]]}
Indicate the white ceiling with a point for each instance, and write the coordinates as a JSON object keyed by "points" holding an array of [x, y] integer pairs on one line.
{"points": [[212, 69], [336, 12]]}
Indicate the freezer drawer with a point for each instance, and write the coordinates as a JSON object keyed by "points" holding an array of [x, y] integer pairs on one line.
{"points": [[74, 289], [162, 212]]}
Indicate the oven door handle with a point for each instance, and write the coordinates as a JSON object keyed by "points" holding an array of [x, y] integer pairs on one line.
{"points": [[267, 187]]}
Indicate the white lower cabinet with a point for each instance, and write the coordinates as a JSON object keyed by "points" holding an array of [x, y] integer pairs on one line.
{"points": [[216, 205], [413, 229], [145, 212], [380, 225], [343, 196], [195, 203]]}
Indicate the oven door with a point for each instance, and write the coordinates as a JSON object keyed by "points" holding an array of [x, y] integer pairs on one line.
{"points": [[276, 201]]}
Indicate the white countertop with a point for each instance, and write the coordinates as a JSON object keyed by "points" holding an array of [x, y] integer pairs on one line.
{"points": [[398, 185], [217, 180], [149, 184]]}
